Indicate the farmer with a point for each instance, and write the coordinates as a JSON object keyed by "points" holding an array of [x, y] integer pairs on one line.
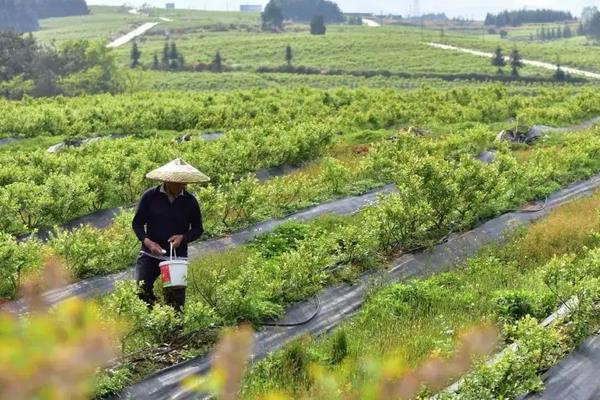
{"points": [[167, 215]]}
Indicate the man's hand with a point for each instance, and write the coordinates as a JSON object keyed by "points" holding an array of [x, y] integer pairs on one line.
{"points": [[154, 247], [176, 240]]}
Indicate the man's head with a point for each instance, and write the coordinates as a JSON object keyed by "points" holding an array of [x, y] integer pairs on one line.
{"points": [[174, 188]]}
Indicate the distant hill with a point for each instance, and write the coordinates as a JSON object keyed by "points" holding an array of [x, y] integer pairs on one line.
{"points": [[23, 15]]}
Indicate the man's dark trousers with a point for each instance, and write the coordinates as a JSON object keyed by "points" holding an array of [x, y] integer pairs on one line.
{"points": [[147, 271]]}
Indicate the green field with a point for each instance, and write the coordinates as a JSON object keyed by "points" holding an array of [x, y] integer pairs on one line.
{"points": [[395, 49], [358, 109]]}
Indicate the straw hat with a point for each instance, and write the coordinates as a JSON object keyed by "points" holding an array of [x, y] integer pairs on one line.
{"points": [[177, 171]]}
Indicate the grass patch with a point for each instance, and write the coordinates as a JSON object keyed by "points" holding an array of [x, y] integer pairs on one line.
{"points": [[566, 230]]}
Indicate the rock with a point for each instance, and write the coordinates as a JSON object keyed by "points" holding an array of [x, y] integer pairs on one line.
{"points": [[56, 148], [507, 135], [536, 132], [418, 131], [487, 157], [184, 138], [73, 142], [523, 134]]}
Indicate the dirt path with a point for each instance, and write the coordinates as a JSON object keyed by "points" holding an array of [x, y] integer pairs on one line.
{"points": [[132, 35], [539, 64]]}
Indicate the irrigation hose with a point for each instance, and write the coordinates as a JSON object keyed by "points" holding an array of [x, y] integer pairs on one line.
{"points": [[293, 324]]}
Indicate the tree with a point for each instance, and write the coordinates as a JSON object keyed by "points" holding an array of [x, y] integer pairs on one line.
{"points": [[217, 63], [165, 55], [173, 54], [288, 55], [135, 55], [175, 58], [544, 35], [559, 74], [516, 62], [47, 70], [593, 27], [155, 62], [498, 59], [272, 16], [317, 25], [580, 29], [567, 32], [587, 13]]}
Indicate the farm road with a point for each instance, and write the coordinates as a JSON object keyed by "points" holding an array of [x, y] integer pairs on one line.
{"points": [[132, 35], [540, 64]]}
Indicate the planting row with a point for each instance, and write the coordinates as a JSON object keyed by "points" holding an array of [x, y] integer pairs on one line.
{"points": [[339, 108], [255, 283], [43, 189]]}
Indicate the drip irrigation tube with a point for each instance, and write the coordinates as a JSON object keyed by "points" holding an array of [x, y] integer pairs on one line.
{"points": [[340, 302], [292, 324]]}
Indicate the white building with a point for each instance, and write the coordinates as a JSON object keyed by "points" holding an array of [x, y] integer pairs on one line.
{"points": [[250, 8]]}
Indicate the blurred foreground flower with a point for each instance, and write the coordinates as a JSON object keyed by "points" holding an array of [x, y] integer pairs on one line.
{"points": [[52, 353], [229, 363]]}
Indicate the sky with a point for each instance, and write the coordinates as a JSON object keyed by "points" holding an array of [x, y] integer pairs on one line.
{"points": [[463, 8]]}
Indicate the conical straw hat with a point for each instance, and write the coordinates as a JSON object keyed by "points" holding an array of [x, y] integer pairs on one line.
{"points": [[177, 171]]}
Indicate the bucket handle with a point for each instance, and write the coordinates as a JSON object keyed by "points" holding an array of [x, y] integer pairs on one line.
{"points": [[172, 251]]}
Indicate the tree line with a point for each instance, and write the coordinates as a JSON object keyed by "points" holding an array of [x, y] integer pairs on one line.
{"points": [[171, 59], [545, 33], [23, 15], [74, 68], [519, 17], [590, 23]]}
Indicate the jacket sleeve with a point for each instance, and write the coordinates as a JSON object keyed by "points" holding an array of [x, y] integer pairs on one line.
{"points": [[141, 218], [196, 228]]}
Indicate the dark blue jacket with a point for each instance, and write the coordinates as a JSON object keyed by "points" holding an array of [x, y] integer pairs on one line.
{"points": [[158, 219]]}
